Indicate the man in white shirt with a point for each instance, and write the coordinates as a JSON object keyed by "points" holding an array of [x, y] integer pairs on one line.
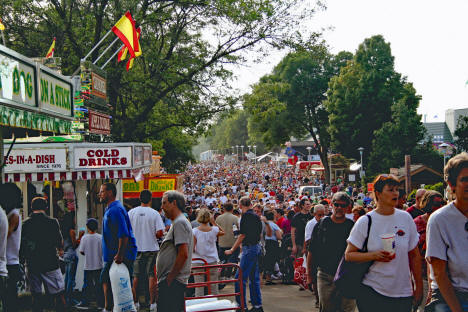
{"points": [[147, 226]]}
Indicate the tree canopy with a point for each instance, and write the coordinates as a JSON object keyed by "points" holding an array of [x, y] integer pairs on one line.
{"points": [[461, 134], [289, 102], [182, 79]]}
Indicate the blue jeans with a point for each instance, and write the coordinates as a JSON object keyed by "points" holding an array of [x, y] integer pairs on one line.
{"points": [[249, 267], [92, 287], [71, 262]]}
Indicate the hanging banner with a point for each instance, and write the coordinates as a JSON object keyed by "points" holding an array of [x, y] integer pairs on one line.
{"points": [[98, 123], [36, 160], [99, 86]]}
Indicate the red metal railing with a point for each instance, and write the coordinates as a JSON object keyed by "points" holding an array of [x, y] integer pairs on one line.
{"points": [[207, 283]]}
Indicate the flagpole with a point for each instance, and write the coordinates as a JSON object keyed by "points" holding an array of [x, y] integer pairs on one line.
{"points": [[113, 55], [107, 49], [94, 48]]}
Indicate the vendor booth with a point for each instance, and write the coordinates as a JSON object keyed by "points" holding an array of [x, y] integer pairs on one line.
{"points": [[70, 175]]}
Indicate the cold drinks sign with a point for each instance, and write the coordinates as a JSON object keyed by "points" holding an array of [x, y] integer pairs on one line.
{"points": [[103, 158]]}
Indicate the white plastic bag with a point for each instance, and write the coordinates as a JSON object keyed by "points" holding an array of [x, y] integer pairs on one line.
{"points": [[121, 288]]}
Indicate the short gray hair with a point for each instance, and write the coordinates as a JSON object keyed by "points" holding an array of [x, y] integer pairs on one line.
{"points": [[178, 197], [319, 207], [245, 201], [341, 196]]}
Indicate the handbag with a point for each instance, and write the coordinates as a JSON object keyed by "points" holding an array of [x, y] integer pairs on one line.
{"points": [[349, 275]]}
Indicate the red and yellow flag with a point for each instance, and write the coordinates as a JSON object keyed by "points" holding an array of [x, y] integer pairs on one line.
{"points": [[126, 31], [51, 51], [123, 52]]}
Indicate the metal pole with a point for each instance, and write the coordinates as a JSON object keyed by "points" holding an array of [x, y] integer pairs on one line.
{"points": [[3, 38], [107, 49], [110, 58], [94, 48]]}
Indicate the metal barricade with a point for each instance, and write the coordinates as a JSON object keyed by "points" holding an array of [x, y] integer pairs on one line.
{"points": [[207, 283]]}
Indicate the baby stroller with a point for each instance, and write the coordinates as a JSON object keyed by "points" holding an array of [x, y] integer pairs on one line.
{"points": [[286, 261]]}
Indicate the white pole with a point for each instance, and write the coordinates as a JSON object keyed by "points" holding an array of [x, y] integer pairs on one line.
{"points": [[110, 58], [94, 48], [107, 49]]}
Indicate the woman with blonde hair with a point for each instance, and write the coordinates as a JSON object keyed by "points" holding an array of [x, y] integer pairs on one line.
{"points": [[204, 247], [387, 286]]}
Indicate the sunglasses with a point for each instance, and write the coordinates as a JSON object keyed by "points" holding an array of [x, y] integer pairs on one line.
{"points": [[337, 205]]}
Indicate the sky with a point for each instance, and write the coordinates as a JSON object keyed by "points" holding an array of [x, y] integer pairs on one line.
{"points": [[429, 40]]}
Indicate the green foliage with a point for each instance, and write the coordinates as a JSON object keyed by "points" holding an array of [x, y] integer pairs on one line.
{"points": [[399, 136], [462, 134], [181, 80], [438, 187], [360, 97], [289, 102]]}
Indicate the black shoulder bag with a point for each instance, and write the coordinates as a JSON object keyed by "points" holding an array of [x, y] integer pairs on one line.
{"points": [[349, 275]]}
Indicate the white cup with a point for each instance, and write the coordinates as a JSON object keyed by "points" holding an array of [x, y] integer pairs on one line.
{"points": [[388, 242]]}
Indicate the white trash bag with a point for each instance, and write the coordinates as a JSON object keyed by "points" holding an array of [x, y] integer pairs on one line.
{"points": [[121, 288]]}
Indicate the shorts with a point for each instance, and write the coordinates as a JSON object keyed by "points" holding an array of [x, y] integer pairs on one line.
{"points": [[53, 282], [107, 265], [144, 263]]}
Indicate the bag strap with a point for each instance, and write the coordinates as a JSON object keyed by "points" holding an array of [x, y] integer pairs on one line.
{"points": [[364, 246]]}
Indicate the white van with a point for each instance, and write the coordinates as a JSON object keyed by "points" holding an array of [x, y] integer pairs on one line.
{"points": [[311, 190]]}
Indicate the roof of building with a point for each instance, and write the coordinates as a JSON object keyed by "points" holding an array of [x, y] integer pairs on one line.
{"points": [[438, 132]]}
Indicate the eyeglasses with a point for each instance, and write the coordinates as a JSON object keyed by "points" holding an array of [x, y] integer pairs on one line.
{"points": [[337, 205]]}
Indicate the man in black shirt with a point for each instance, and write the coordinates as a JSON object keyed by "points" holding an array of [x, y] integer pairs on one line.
{"points": [[326, 249], [40, 240], [298, 225], [249, 237]]}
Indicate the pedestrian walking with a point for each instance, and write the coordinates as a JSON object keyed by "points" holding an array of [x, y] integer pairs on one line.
{"points": [[175, 256], [249, 237], [298, 225], [148, 227], [204, 247], [326, 248], [91, 249], [118, 242], [41, 242], [230, 224], [387, 286], [447, 247], [10, 200]]}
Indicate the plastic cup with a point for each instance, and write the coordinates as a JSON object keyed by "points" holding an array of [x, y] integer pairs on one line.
{"points": [[388, 242]]}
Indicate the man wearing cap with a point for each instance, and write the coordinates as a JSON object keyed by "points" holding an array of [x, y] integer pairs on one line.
{"points": [[174, 261], [118, 242], [148, 227], [40, 240]]}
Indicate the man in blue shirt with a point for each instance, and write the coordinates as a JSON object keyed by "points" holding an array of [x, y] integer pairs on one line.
{"points": [[118, 242]]}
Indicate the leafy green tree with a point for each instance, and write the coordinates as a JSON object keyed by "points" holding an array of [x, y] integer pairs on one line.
{"points": [[289, 102], [181, 80], [399, 136], [360, 98], [461, 133]]}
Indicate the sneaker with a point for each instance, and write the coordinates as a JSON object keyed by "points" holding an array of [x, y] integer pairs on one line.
{"points": [[104, 310], [259, 309], [137, 306], [81, 306], [153, 307]]}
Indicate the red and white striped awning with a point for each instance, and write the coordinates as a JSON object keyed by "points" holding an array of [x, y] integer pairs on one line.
{"points": [[69, 175]]}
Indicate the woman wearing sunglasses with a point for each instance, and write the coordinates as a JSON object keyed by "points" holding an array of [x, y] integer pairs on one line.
{"points": [[447, 243], [387, 285]]}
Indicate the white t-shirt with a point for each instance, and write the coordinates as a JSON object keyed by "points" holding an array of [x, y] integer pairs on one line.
{"points": [[14, 241], [91, 246], [391, 279], [274, 227], [223, 199], [447, 240], [3, 242], [145, 223], [206, 245], [310, 228], [350, 216]]}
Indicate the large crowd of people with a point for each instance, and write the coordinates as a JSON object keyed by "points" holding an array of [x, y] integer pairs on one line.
{"points": [[253, 215]]}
